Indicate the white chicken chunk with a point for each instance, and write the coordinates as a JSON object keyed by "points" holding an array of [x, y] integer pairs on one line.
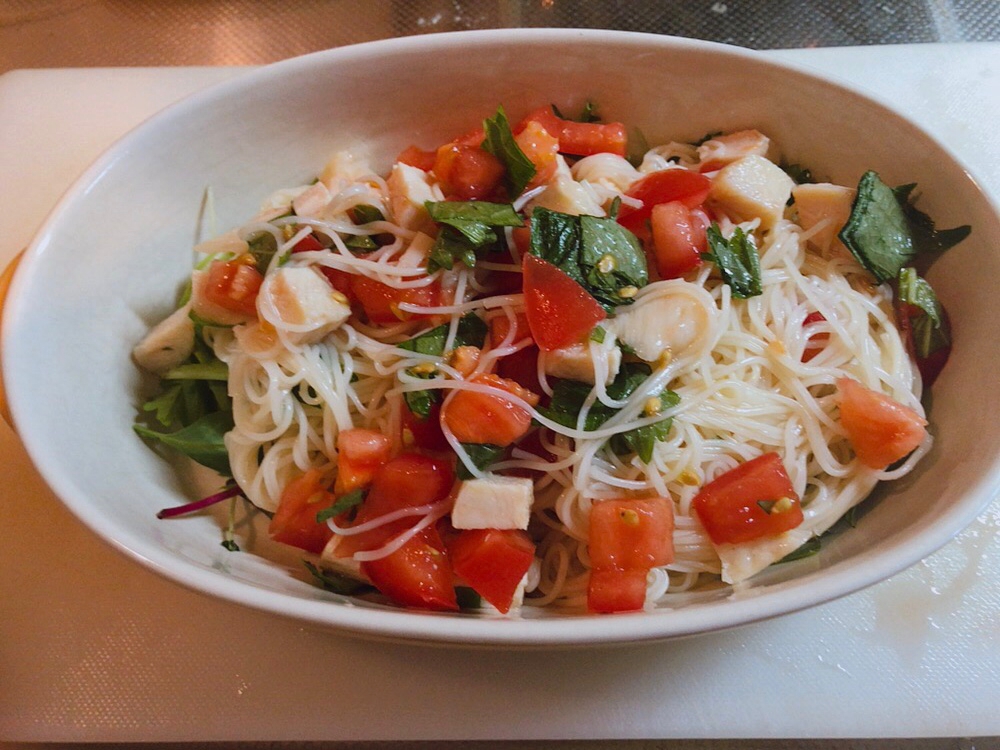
{"points": [[566, 195], [409, 189], [312, 201], [576, 363], [493, 502], [752, 188], [725, 149], [297, 300], [168, 344], [824, 203], [344, 167], [740, 561]]}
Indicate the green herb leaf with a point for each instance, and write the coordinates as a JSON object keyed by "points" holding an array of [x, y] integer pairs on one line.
{"points": [[808, 549], [642, 439], [927, 320], [467, 598], [202, 440], [263, 246], [366, 214], [421, 403], [335, 582], [801, 175], [500, 142], [342, 504], [482, 456], [587, 114], [471, 332], [215, 369], [737, 260], [468, 230], [885, 231]]}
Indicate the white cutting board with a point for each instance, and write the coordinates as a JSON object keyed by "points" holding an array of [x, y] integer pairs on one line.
{"points": [[96, 648]]}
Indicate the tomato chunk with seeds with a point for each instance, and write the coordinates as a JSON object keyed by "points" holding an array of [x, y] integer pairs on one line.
{"points": [[360, 454], [381, 302], [754, 500], [485, 418], [616, 590], [663, 186], [294, 521], [418, 574], [468, 172], [679, 239], [493, 562], [880, 429], [233, 286], [560, 312]]}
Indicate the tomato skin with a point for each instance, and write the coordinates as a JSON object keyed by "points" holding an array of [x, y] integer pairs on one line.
{"points": [[728, 505], [560, 312], [500, 326], [233, 286], [663, 186], [294, 521], [418, 574], [880, 429], [416, 157], [631, 533], [493, 562], [406, 481], [616, 590], [579, 138], [679, 239], [360, 454], [468, 172], [381, 301], [483, 418], [425, 432]]}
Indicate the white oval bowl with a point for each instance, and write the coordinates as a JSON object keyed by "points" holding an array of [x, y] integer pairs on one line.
{"points": [[108, 262]]}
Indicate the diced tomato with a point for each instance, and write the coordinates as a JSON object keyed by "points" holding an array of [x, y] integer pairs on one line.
{"points": [[492, 562], [522, 239], [468, 172], [631, 533], [817, 341], [294, 521], [522, 368], [309, 243], [416, 157], [381, 301], [360, 454], [424, 432], [500, 326], [409, 480], [233, 286], [418, 574], [484, 418], [663, 186], [616, 590], [880, 429], [579, 138], [541, 148], [560, 312], [340, 280], [679, 239], [754, 500]]}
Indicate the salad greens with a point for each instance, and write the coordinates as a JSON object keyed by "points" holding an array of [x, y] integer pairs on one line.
{"points": [[499, 141], [468, 231], [737, 260]]}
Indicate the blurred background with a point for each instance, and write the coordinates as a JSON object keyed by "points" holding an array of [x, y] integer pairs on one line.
{"points": [[89, 33]]}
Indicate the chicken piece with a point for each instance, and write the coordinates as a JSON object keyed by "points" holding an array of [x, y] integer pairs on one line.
{"points": [[717, 152], [493, 502], [575, 363], [752, 188], [302, 303], [824, 203], [168, 344], [409, 189]]}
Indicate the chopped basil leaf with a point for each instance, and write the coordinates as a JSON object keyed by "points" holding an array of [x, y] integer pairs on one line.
{"points": [[366, 214], [587, 114], [927, 320], [421, 403], [467, 598], [335, 582], [201, 440], [808, 549], [737, 260], [500, 142], [598, 334], [596, 252], [481, 455], [642, 439], [471, 332], [885, 231], [230, 544], [343, 504], [360, 243], [801, 175], [263, 246], [468, 231]]}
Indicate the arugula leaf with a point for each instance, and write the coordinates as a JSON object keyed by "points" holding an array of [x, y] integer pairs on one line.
{"points": [[596, 252], [500, 142], [481, 454], [202, 440], [334, 582], [342, 504], [926, 316], [215, 369], [885, 231], [468, 231], [737, 260]]}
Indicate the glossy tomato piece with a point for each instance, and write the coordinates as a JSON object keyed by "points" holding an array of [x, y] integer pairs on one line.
{"points": [[560, 312], [407, 481], [485, 418], [492, 562], [360, 454], [754, 500], [880, 429], [425, 433], [416, 157], [631, 533], [679, 239], [616, 590], [233, 286], [418, 574], [468, 172], [579, 138], [663, 186], [294, 521], [541, 148], [381, 301]]}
